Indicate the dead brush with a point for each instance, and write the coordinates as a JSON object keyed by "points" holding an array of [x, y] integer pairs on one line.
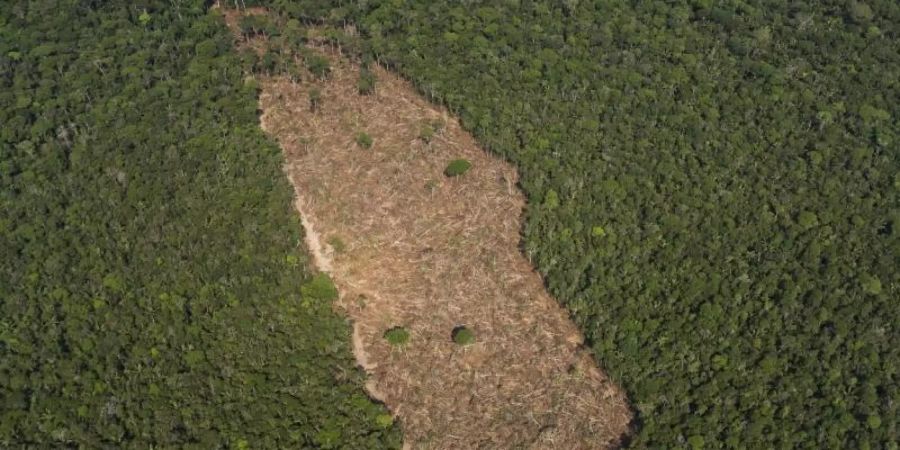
{"points": [[432, 258]]}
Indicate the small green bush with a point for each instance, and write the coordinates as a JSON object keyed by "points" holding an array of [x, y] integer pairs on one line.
{"points": [[315, 99], [426, 133], [318, 65], [457, 167], [320, 287], [268, 63], [366, 60], [337, 244], [384, 420], [429, 129], [463, 336], [366, 82], [397, 336], [295, 35], [257, 24], [363, 140]]}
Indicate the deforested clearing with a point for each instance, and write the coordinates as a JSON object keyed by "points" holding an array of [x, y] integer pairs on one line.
{"points": [[433, 253]]}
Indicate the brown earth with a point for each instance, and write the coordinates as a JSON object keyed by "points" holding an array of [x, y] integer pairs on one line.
{"points": [[408, 246]]}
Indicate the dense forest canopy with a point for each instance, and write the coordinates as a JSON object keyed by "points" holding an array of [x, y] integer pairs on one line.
{"points": [[151, 284], [715, 196], [714, 193]]}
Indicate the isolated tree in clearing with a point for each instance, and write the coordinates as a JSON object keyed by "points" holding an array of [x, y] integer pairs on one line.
{"points": [[397, 336], [463, 335], [457, 167]]}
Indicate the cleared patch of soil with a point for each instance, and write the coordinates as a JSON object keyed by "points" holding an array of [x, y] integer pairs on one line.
{"points": [[431, 253], [408, 246]]}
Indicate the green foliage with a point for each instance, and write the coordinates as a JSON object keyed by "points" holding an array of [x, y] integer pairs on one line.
{"points": [[551, 200], [315, 99], [463, 336], [426, 133], [457, 167], [429, 129], [337, 244], [696, 442], [873, 421], [384, 420], [257, 24], [294, 33], [150, 280], [860, 12], [397, 336], [744, 152], [870, 284], [366, 82], [363, 139], [807, 219], [320, 287], [318, 65]]}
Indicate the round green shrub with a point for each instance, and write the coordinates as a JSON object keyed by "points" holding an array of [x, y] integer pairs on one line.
{"points": [[397, 336], [457, 167], [318, 66], [873, 421], [337, 244], [463, 336], [363, 140], [426, 133], [320, 287], [366, 83], [870, 284], [696, 442], [429, 129], [384, 420]]}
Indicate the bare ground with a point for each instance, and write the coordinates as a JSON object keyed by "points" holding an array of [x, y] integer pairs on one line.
{"points": [[430, 253]]}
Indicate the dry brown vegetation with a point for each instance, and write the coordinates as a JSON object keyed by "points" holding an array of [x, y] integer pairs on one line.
{"points": [[431, 253]]}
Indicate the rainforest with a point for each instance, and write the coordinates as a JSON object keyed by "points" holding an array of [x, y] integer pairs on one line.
{"points": [[712, 193]]}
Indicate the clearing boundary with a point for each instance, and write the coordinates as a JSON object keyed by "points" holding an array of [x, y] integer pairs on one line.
{"points": [[408, 246]]}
